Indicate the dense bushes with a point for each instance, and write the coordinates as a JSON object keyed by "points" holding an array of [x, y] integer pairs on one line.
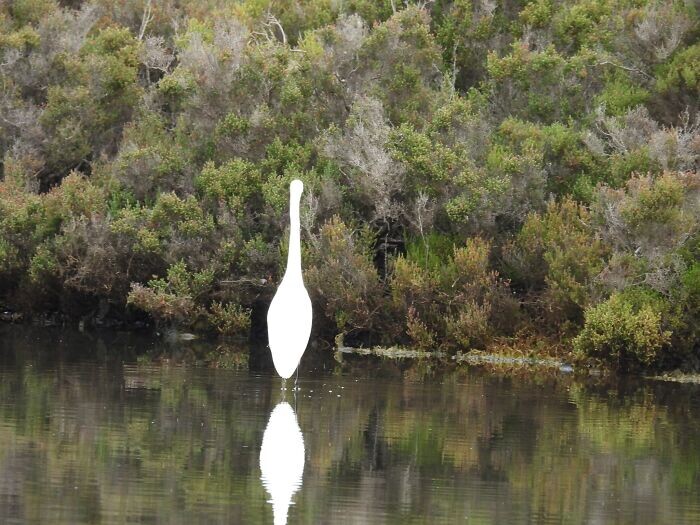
{"points": [[343, 280], [473, 169], [454, 304], [555, 258], [623, 333]]}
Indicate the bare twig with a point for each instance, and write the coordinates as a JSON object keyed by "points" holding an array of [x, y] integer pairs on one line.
{"points": [[272, 21], [626, 68], [146, 19]]}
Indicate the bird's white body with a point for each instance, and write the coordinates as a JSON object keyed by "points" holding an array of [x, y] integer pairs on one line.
{"points": [[289, 317], [282, 459]]}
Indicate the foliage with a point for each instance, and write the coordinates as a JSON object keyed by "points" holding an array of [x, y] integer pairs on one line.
{"points": [[558, 255], [648, 225], [342, 279], [679, 79], [622, 333], [230, 319], [143, 144], [454, 304]]}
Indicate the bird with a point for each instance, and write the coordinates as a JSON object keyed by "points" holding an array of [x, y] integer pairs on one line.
{"points": [[290, 314], [282, 460]]}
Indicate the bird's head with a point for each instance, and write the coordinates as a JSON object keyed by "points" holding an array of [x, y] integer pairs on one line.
{"points": [[296, 188]]}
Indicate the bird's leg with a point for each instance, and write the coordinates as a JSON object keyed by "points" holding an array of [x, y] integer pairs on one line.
{"points": [[295, 396], [284, 383]]}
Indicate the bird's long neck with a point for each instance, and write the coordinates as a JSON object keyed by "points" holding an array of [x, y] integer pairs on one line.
{"points": [[294, 252]]}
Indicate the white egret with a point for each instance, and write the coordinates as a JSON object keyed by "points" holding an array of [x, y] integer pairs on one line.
{"points": [[282, 460], [289, 316]]}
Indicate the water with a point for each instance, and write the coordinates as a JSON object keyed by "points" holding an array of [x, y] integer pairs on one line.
{"points": [[91, 433]]}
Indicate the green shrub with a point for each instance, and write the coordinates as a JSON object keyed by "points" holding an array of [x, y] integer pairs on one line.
{"points": [[621, 94], [167, 226], [622, 333], [685, 315], [465, 34], [536, 13], [151, 161], [691, 283], [401, 54], [558, 255], [679, 78], [85, 111], [230, 319], [430, 251], [624, 165], [542, 85], [583, 23], [451, 305], [31, 11], [234, 183], [342, 279], [556, 149], [176, 298]]}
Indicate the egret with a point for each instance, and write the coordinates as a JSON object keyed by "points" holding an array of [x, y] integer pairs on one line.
{"points": [[289, 316]]}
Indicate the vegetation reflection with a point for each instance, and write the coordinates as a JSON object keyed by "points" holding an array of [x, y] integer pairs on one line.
{"points": [[115, 443]]}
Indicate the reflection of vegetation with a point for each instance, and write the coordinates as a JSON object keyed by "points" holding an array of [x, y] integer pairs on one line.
{"points": [[227, 357], [101, 439]]}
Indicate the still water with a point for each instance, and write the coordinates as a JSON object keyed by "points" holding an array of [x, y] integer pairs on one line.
{"points": [[91, 431]]}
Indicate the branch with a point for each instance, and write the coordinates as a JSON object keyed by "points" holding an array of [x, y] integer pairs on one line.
{"points": [[272, 20], [147, 17], [626, 68]]}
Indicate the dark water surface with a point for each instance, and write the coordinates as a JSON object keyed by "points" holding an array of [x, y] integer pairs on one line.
{"points": [[92, 433]]}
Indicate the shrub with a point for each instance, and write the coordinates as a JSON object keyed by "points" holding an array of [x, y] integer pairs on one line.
{"points": [[556, 254], [541, 85], [679, 79], [342, 280], [31, 11], [634, 143], [452, 167], [400, 56], [375, 178], [466, 32], [419, 333], [430, 251], [556, 151], [86, 259], [452, 305], [151, 161], [230, 319], [648, 224], [471, 327], [691, 283], [84, 113], [173, 229], [176, 298], [620, 94], [235, 183], [622, 333]]}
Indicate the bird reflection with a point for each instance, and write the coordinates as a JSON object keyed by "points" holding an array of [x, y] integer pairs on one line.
{"points": [[282, 460]]}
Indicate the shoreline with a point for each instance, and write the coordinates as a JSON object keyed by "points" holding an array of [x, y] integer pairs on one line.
{"points": [[513, 355]]}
